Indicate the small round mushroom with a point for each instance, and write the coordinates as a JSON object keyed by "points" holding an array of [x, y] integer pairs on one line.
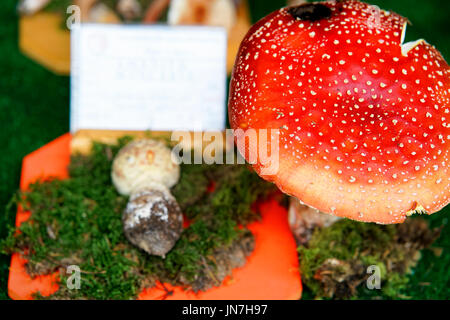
{"points": [[152, 219], [363, 118], [143, 162]]}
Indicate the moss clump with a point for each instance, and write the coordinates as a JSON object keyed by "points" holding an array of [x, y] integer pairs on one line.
{"points": [[78, 221], [334, 262]]}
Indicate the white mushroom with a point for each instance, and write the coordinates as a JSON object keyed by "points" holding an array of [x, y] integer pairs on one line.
{"points": [[152, 219], [85, 8], [141, 163]]}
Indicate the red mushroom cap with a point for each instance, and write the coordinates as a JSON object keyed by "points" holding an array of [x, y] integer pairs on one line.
{"points": [[363, 118]]}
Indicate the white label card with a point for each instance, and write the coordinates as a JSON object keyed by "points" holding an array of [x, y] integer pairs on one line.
{"points": [[159, 78]]}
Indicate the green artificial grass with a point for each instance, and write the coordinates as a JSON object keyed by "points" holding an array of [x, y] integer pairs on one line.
{"points": [[34, 109]]}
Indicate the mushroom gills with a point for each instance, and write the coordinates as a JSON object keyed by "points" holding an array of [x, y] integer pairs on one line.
{"points": [[418, 209], [29, 7]]}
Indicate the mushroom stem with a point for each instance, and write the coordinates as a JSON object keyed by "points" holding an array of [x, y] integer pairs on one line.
{"points": [[153, 220], [303, 220]]}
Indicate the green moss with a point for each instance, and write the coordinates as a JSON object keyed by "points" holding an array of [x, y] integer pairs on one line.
{"points": [[78, 221], [334, 262]]}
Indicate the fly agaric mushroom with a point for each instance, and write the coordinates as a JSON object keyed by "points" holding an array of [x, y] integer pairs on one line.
{"points": [[152, 219], [363, 117]]}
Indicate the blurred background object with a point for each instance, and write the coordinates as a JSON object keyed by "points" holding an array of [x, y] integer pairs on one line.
{"points": [[31, 6], [295, 2], [42, 39], [203, 12], [96, 12], [44, 36], [129, 9]]}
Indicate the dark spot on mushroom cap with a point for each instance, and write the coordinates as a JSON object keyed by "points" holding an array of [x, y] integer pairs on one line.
{"points": [[310, 11]]}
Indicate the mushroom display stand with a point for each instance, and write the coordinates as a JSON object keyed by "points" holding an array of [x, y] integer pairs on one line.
{"points": [[271, 271]]}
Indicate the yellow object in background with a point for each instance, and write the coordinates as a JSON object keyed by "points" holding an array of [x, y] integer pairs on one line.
{"points": [[42, 38], [237, 33]]}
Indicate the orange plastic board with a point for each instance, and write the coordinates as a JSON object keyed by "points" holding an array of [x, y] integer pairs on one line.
{"points": [[271, 271]]}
